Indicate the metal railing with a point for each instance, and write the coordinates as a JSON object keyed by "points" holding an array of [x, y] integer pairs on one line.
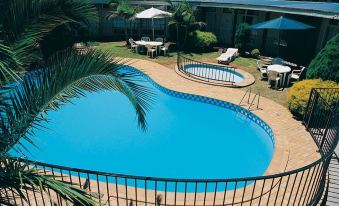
{"points": [[250, 103], [204, 71], [303, 186]]}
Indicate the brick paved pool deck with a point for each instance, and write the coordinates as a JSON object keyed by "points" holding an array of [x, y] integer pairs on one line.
{"points": [[294, 147]]}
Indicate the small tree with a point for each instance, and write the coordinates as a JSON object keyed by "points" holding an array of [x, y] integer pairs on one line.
{"points": [[125, 11], [242, 37], [185, 21], [326, 64]]}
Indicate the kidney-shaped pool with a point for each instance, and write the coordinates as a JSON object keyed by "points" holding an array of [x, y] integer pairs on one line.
{"points": [[187, 137]]}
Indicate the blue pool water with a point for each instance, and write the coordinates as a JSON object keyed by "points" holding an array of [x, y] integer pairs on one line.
{"points": [[185, 138], [213, 72]]}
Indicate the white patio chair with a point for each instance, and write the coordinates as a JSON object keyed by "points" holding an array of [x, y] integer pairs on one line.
{"points": [[164, 48], [296, 74], [274, 76], [228, 56], [150, 50], [145, 38], [263, 69], [159, 39], [134, 46]]}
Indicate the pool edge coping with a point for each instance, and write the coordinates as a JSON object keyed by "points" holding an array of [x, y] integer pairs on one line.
{"points": [[248, 78], [280, 159]]}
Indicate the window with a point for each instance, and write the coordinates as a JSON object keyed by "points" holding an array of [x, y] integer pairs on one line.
{"points": [[226, 10], [210, 9]]}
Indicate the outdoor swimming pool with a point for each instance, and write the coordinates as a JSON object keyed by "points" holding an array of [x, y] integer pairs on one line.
{"points": [[213, 72], [188, 137]]}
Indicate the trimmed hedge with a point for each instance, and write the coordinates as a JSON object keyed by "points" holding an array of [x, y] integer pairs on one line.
{"points": [[326, 64], [299, 94], [255, 53], [201, 40]]}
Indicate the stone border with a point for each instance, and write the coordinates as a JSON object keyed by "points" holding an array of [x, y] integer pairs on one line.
{"points": [[248, 78]]}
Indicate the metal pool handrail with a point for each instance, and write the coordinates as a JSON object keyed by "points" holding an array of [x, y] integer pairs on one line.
{"points": [[303, 186], [204, 71]]}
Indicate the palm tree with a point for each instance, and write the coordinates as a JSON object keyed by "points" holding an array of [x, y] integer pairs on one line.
{"points": [[125, 11], [184, 19], [51, 82], [26, 24]]}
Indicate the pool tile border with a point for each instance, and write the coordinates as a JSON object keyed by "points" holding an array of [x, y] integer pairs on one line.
{"points": [[208, 100]]}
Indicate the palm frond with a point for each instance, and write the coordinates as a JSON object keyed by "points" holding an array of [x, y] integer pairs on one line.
{"points": [[9, 64], [26, 22], [65, 76], [20, 180]]}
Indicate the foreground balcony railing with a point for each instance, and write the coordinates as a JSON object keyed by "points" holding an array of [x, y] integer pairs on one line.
{"points": [[303, 186]]}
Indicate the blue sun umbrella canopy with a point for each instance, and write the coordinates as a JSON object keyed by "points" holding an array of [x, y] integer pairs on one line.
{"points": [[281, 23]]}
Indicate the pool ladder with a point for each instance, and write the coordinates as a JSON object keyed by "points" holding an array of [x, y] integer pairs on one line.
{"points": [[251, 103]]}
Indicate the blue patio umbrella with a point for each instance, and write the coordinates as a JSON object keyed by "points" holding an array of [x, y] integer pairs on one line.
{"points": [[281, 23]]}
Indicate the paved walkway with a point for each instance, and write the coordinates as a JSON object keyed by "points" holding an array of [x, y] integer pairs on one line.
{"points": [[333, 187], [294, 146]]}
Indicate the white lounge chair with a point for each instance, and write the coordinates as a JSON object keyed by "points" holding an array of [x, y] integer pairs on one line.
{"points": [[228, 56]]}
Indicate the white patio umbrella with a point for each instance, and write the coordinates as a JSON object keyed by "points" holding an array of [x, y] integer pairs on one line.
{"points": [[153, 13]]}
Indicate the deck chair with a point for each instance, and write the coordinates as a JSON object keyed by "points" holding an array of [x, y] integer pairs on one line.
{"points": [[228, 56], [296, 74], [262, 68], [145, 38], [134, 46], [275, 77]]}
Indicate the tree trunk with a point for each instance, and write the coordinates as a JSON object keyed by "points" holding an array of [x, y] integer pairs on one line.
{"points": [[126, 33], [178, 40]]}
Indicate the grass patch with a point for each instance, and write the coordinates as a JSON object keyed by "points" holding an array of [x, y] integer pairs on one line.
{"points": [[260, 86], [119, 49], [247, 64]]}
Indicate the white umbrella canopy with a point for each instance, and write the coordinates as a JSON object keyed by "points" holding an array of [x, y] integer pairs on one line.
{"points": [[153, 13]]}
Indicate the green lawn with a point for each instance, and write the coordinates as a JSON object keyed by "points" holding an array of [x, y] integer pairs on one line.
{"points": [[260, 86], [119, 49], [280, 96]]}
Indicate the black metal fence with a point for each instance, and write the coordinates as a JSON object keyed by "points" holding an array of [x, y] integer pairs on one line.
{"points": [[304, 186], [204, 71]]}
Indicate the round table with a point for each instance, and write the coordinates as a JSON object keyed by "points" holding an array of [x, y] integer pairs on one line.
{"points": [[152, 43], [281, 70]]}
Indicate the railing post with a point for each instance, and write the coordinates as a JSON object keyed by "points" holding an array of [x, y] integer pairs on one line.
{"points": [[314, 102], [325, 133]]}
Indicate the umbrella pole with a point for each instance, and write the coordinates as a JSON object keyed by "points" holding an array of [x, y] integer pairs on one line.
{"points": [[279, 44], [153, 27]]}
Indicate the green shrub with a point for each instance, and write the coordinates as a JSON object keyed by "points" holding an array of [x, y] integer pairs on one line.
{"points": [[255, 53], [326, 64], [202, 41], [242, 37], [299, 94]]}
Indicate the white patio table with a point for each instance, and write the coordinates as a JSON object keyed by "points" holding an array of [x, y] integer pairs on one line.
{"points": [[283, 70], [152, 43]]}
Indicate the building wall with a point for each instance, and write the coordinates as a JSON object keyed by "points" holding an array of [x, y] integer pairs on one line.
{"points": [[223, 22], [296, 45]]}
